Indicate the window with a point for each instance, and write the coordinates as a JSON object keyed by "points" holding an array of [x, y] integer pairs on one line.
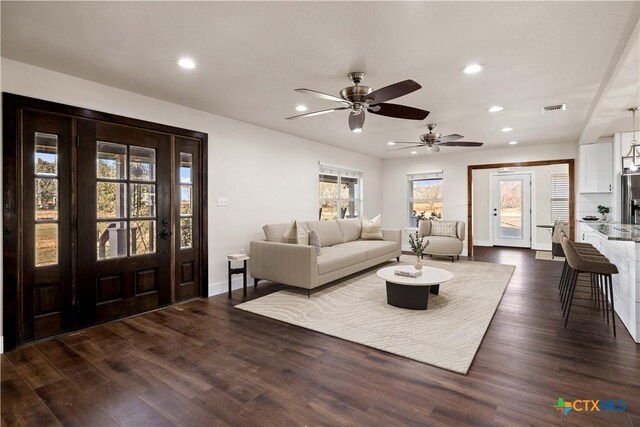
{"points": [[340, 193], [126, 200], [425, 196], [559, 197]]}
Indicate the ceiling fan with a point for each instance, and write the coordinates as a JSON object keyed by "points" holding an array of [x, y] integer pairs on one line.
{"points": [[433, 141], [359, 99]]}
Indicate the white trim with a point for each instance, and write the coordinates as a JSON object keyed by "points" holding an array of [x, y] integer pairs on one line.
{"points": [[541, 246], [1, 344], [482, 243], [223, 287]]}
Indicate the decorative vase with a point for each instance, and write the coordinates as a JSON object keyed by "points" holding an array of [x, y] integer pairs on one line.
{"points": [[418, 265], [603, 217]]}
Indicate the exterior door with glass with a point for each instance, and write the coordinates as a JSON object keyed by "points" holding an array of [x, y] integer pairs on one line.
{"points": [[124, 221], [511, 210], [46, 297]]}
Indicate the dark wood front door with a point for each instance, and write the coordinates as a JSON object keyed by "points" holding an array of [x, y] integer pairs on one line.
{"points": [[46, 294], [187, 211], [124, 221], [104, 217]]}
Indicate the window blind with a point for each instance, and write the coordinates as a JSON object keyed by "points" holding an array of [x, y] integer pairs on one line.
{"points": [[413, 176], [559, 197], [339, 170]]}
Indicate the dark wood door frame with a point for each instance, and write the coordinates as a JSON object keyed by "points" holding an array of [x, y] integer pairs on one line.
{"points": [[13, 109], [471, 168]]}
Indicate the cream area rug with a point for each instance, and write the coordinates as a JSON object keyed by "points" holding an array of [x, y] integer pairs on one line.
{"points": [[546, 255], [446, 335]]}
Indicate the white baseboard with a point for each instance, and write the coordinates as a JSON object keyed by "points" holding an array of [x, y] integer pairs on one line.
{"points": [[482, 243], [541, 247], [222, 287]]}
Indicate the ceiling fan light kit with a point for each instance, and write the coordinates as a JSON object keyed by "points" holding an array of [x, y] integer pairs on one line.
{"points": [[433, 141], [360, 99]]}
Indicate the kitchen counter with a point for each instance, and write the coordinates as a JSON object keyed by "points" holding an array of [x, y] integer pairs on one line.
{"points": [[617, 231], [620, 243]]}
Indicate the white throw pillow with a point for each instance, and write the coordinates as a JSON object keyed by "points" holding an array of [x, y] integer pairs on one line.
{"points": [[303, 233], [372, 229]]}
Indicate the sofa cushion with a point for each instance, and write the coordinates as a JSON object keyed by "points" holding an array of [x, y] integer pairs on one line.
{"points": [[291, 235], [328, 232], [444, 228], [274, 232], [372, 229], [373, 248], [442, 245], [350, 228], [424, 227], [334, 258]]}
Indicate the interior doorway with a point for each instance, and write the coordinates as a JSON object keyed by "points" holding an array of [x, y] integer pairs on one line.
{"points": [[511, 210], [480, 204], [105, 217]]}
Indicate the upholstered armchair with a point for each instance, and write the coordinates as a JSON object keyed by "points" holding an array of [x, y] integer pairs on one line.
{"points": [[445, 237]]}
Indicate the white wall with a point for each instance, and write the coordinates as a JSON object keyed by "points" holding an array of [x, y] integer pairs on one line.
{"points": [[395, 188], [540, 204], [267, 176]]}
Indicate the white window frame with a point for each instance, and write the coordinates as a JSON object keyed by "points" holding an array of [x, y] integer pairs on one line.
{"points": [[420, 176], [343, 172]]}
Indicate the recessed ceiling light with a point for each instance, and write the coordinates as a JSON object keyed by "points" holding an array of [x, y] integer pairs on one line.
{"points": [[391, 143], [301, 108], [507, 129], [513, 142], [495, 109], [414, 152], [357, 130], [472, 69], [187, 63]]}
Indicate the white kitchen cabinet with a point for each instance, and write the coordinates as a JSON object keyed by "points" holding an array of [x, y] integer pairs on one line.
{"points": [[586, 233], [596, 168]]}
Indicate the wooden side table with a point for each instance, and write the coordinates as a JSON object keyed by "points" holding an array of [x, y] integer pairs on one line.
{"points": [[240, 270]]}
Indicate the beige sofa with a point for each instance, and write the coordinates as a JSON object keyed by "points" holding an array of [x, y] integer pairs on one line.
{"points": [[445, 237], [342, 253]]}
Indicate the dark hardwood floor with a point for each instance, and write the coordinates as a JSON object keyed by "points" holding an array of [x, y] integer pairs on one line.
{"points": [[205, 363]]}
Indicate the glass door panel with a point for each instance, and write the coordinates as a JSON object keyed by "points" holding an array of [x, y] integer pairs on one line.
{"points": [[511, 200]]}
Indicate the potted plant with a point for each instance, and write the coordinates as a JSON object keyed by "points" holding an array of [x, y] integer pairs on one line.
{"points": [[603, 211], [418, 245], [419, 217]]}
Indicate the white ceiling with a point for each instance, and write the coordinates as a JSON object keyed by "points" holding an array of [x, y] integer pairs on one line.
{"points": [[251, 55]]}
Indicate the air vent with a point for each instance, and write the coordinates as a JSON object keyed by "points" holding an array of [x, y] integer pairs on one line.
{"points": [[551, 108]]}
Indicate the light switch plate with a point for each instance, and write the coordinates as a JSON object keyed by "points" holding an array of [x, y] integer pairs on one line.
{"points": [[222, 201]]}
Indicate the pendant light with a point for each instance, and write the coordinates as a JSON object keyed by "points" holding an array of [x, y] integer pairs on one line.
{"points": [[633, 153]]}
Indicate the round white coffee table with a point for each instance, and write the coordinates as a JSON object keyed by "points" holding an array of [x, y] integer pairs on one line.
{"points": [[410, 292]]}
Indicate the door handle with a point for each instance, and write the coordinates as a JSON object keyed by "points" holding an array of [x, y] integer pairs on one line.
{"points": [[165, 234]]}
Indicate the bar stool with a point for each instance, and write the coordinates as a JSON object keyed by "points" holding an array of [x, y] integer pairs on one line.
{"points": [[598, 268], [585, 248]]}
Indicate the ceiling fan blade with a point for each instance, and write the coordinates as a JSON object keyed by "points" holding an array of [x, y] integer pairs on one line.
{"points": [[460, 144], [317, 113], [399, 111], [356, 121], [404, 148], [393, 91], [321, 95], [448, 138]]}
